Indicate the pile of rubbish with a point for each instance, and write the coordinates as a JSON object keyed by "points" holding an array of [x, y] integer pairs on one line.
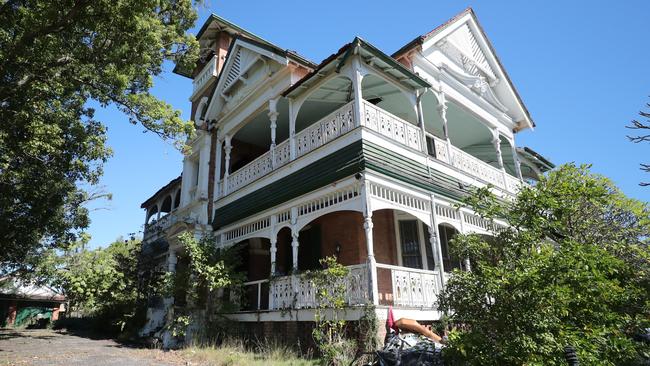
{"points": [[409, 343]]}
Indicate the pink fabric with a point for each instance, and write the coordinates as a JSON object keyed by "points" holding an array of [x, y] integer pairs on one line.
{"points": [[390, 322]]}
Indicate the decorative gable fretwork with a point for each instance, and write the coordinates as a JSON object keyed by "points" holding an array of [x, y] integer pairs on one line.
{"points": [[463, 49], [461, 46], [242, 61]]}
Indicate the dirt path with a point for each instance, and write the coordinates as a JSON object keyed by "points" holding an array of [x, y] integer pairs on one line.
{"points": [[46, 347]]}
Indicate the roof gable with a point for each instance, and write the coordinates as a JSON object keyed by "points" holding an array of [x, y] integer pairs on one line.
{"points": [[245, 65], [463, 41]]}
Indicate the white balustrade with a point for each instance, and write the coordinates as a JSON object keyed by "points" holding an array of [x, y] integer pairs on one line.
{"points": [[413, 287], [325, 130], [299, 292], [391, 126], [318, 134], [476, 167], [201, 80], [252, 171]]}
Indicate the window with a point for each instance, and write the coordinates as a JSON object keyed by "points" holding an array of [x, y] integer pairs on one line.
{"points": [[413, 245], [410, 243], [449, 261]]}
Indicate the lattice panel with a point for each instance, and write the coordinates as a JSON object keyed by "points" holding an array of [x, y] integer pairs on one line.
{"points": [[328, 200], [244, 230], [398, 197]]}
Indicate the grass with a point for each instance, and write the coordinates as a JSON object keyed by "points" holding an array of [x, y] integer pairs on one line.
{"points": [[234, 353]]}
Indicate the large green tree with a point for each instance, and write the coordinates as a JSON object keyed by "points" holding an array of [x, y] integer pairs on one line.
{"points": [[55, 57], [571, 269]]}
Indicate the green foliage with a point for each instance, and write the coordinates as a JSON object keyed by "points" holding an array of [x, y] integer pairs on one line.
{"points": [[572, 269], [329, 330], [58, 57], [109, 284], [210, 268]]}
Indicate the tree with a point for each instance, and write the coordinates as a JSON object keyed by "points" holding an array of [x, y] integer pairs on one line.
{"points": [[571, 269], [55, 57], [643, 137]]}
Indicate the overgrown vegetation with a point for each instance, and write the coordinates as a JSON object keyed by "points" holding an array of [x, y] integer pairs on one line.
{"points": [[210, 270], [573, 269], [329, 332], [237, 353]]}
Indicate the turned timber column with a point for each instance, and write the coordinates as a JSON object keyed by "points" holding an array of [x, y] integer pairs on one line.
{"points": [[515, 156], [466, 261], [434, 241], [367, 227], [442, 110], [273, 117], [420, 114], [292, 129], [217, 169], [274, 241], [295, 233], [496, 141], [357, 79], [226, 172]]}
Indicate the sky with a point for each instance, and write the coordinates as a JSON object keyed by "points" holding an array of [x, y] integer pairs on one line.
{"points": [[581, 68]]}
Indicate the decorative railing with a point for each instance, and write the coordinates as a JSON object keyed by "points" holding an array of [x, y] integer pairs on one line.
{"points": [[325, 130], [252, 171], [413, 287], [299, 292], [318, 134], [157, 227], [391, 126], [472, 165], [476, 167], [376, 119], [201, 80]]}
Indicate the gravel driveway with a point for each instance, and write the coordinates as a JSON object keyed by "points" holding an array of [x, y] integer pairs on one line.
{"points": [[47, 347]]}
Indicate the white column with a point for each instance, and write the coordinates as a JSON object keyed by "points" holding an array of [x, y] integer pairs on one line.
{"points": [[292, 129], [204, 167], [274, 241], [273, 117], [434, 241], [295, 233], [423, 131], [466, 261], [442, 110], [496, 142], [226, 172], [158, 213], [217, 169], [515, 156], [186, 181], [294, 248], [357, 79], [370, 246]]}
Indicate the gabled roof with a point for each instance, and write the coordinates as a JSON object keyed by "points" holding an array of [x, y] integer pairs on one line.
{"points": [[215, 23], [420, 40], [388, 64]]}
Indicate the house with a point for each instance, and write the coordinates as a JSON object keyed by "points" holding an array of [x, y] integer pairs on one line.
{"points": [[26, 305], [363, 156]]}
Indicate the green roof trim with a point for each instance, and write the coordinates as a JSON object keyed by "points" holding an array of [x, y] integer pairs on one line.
{"points": [[357, 157]]}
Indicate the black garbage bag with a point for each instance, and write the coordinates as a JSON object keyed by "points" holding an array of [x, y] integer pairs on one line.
{"points": [[396, 352]]}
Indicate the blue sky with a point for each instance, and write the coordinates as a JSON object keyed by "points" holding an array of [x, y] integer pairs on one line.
{"points": [[581, 68]]}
